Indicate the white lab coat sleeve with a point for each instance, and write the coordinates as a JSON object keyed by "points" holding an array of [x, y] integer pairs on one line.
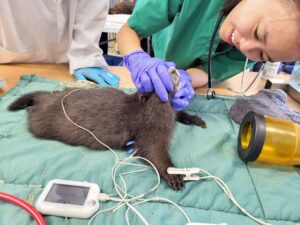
{"points": [[89, 21]]}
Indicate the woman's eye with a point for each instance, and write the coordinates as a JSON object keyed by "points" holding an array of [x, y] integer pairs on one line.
{"points": [[256, 33]]}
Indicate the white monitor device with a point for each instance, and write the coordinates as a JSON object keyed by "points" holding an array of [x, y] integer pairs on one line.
{"points": [[69, 199]]}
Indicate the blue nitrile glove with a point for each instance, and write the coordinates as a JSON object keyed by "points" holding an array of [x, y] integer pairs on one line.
{"points": [[184, 93], [149, 74], [97, 75]]}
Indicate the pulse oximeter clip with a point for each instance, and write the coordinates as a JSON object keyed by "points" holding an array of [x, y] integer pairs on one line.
{"points": [[188, 172]]}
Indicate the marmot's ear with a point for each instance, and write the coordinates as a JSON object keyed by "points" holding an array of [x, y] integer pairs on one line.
{"points": [[144, 97]]}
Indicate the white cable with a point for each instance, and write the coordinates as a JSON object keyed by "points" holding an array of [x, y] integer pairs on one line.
{"points": [[126, 214], [159, 199], [227, 191], [177, 206], [96, 214], [123, 197], [83, 128], [156, 171], [126, 201]]}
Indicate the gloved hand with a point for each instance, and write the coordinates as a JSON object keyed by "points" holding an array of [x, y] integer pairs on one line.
{"points": [[185, 92], [149, 74], [97, 75]]}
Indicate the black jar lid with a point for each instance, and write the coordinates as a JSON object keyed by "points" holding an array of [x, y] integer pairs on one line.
{"points": [[258, 135]]}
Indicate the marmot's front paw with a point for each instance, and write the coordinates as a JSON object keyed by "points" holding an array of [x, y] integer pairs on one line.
{"points": [[175, 181], [197, 120]]}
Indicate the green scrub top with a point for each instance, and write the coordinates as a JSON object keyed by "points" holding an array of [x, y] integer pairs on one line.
{"points": [[181, 31]]}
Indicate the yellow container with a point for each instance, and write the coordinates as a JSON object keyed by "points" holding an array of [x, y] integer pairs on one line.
{"points": [[269, 140]]}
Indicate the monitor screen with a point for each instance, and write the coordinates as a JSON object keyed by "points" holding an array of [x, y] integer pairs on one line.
{"points": [[67, 194]]}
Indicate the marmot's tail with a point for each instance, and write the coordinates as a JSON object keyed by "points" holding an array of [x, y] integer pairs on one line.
{"points": [[23, 102]]}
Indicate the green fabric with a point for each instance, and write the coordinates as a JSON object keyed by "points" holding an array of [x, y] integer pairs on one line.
{"points": [[181, 31], [27, 163]]}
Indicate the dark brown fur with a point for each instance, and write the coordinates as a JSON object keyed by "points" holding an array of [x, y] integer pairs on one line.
{"points": [[113, 116]]}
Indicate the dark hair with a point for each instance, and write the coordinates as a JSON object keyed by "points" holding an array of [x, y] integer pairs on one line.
{"points": [[229, 5], [122, 8]]}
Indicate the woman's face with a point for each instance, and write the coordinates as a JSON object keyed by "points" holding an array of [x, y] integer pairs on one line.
{"points": [[264, 30]]}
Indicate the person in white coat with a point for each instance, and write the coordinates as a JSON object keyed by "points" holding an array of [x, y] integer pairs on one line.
{"points": [[56, 31]]}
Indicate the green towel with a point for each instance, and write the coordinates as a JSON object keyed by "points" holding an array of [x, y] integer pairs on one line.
{"points": [[27, 164]]}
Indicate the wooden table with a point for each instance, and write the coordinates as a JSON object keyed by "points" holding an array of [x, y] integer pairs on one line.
{"points": [[12, 72]]}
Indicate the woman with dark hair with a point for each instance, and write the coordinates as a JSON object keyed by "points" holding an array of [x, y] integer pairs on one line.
{"points": [[181, 30]]}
